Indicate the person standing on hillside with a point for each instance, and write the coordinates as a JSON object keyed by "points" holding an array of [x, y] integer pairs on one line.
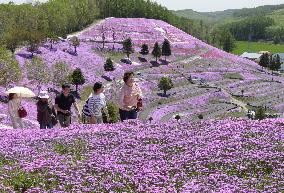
{"points": [[14, 105], [45, 111], [63, 103], [130, 100], [95, 105]]}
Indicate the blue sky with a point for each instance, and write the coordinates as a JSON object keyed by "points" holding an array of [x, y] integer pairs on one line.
{"points": [[203, 5]]}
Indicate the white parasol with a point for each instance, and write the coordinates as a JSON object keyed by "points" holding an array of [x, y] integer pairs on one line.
{"points": [[22, 92]]}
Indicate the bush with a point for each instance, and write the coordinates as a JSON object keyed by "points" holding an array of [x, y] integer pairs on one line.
{"points": [[144, 49], [165, 84], [177, 117], [236, 76], [109, 65], [77, 78], [200, 116], [260, 114], [113, 111]]}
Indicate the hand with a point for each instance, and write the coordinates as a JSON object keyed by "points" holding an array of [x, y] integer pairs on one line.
{"points": [[127, 108], [65, 111]]}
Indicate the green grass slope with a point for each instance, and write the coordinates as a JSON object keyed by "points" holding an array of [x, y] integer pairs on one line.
{"points": [[242, 46]]}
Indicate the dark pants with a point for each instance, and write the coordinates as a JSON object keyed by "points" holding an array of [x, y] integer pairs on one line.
{"points": [[64, 120], [45, 126], [125, 115]]}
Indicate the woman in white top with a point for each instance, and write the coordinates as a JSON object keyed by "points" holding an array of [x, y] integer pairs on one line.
{"points": [[13, 107]]}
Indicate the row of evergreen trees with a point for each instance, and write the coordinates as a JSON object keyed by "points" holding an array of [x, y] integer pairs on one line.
{"points": [[128, 48], [273, 62]]}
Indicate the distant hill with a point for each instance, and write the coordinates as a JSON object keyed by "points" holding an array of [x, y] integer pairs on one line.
{"points": [[189, 13], [231, 14], [278, 16]]}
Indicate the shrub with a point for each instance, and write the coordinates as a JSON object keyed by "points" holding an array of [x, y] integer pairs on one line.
{"points": [[144, 49], [77, 78], [260, 114], [200, 116], [157, 52], [178, 117], [113, 111], [165, 84], [109, 65]]}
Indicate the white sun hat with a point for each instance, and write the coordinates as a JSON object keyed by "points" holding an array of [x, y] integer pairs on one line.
{"points": [[43, 95]]}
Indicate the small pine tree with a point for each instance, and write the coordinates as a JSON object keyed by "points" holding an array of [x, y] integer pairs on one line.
{"points": [[178, 117], [276, 39], [113, 111], [77, 78], [166, 49], [229, 43], [157, 52], [200, 116], [264, 60], [109, 65], [144, 50], [275, 62], [260, 114], [128, 47], [165, 84], [75, 42]]}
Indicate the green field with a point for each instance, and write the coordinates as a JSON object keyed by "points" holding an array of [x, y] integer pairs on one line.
{"points": [[242, 46]]}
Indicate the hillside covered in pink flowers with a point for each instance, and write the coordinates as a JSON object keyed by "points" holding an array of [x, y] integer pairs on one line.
{"points": [[206, 79], [211, 156]]}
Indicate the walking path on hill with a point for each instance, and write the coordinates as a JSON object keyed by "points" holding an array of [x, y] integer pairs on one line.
{"points": [[233, 100]]}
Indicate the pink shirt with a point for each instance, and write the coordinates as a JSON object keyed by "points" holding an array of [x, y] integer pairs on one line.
{"points": [[129, 96]]}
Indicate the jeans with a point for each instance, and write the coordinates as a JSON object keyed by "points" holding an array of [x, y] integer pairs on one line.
{"points": [[125, 115], [87, 120], [45, 126], [64, 120]]}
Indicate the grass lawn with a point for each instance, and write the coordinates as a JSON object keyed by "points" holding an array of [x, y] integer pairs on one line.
{"points": [[242, 46]]}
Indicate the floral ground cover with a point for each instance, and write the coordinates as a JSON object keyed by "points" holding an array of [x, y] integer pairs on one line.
{"points": [[212, 156], [190, 58]]}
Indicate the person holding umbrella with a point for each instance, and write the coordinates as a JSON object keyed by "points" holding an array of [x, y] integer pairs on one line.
{"points": [[15, 109], [14, 105], [45, 111]]}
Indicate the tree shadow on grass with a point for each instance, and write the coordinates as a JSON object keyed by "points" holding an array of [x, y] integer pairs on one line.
{"points": [[154, 64], [25, 55], [160, 94], [142, 59], [164, 62]]}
